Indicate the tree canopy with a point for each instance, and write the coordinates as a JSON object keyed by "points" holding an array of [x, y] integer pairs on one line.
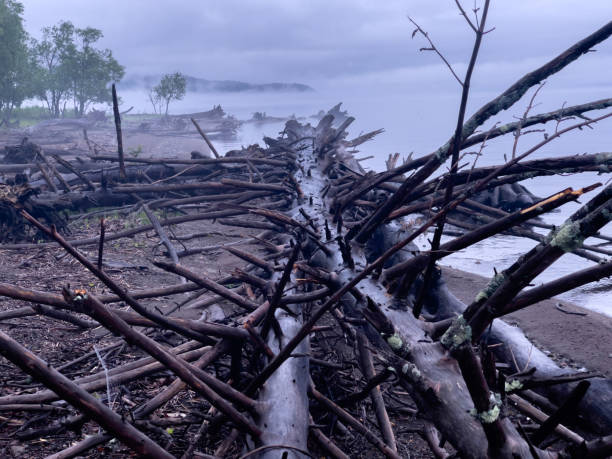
{"points": [[72, 68], [171, 87], [15, 59]]}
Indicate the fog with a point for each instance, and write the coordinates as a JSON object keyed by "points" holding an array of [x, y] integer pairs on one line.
{"points": [[358, 52], [361, 53]]}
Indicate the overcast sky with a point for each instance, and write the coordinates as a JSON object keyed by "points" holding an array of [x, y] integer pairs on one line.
{"points": [[321, 41]]}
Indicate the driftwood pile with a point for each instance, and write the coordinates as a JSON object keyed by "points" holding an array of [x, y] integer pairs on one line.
{"points": [[340, 267]]}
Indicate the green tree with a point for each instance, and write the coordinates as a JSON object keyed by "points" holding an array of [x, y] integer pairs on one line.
{"points": [[72, 68], [92, 71], [15, 60], [53, 53], [171, 87]]}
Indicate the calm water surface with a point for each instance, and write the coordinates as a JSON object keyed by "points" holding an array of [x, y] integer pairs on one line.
{"points": [[420, 123]]}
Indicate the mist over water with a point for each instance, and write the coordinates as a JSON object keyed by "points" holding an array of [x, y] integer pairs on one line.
{"points": [[419, 122]]}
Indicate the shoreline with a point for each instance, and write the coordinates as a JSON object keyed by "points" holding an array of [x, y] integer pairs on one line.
{"points": [[582, 340]]}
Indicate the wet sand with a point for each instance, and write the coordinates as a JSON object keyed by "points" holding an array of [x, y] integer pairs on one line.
{"points": [[582, 340]]}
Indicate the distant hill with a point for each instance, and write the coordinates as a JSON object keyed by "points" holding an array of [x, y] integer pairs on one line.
{"points": [[195, 84]]}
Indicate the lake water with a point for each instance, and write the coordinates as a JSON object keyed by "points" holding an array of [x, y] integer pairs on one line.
{"points": [[420, 122]]}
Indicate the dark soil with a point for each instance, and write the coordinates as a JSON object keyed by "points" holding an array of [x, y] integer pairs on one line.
{"points": [[25, 434]]}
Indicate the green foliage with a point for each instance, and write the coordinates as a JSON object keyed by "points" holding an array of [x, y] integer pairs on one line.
{"points": [[171, 87], [28, 116], [92, 71], [15, 60], [53, 73], [70, 67]]}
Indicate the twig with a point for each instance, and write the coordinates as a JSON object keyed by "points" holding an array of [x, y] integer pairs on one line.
{"points": [[433, 47], [454, 153], [559, 306], [109, 399]]}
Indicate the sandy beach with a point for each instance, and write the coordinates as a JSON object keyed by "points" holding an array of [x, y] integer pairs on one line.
{"points": [[580, 340]]}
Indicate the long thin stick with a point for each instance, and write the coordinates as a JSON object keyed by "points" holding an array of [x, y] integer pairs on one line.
{"points": [[454, 152], [208, 142]]}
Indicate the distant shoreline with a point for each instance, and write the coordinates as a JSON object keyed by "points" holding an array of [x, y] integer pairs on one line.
{"points": [[203, 86]]}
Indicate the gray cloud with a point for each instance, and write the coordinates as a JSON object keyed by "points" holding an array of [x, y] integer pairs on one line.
{"points": [[328, 42]]}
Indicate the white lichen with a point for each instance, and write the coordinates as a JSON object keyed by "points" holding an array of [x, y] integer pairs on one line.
{"points": [[442, 152], [513, 385], [458, 333], [411, 371], [492, 414], [568, 237], [493, 285], [395, 342]]}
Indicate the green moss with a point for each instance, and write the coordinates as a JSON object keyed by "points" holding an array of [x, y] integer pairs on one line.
{"points": [[442, 152], [493, 285], [568, 237], [398, 345], [457, 334], [490, 416]]}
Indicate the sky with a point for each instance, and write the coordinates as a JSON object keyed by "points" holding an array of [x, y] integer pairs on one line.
{"points": [[360, 52], [332, 42]]}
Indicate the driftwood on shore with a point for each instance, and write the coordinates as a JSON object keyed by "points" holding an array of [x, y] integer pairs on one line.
{"points": [[339, 248]]}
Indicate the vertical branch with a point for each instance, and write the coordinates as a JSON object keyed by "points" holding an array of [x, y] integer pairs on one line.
{"points": [[122, 173], [454, 151]]}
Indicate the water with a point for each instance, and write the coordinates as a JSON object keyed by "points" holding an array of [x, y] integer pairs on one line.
{"points": [[419, 122]]}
